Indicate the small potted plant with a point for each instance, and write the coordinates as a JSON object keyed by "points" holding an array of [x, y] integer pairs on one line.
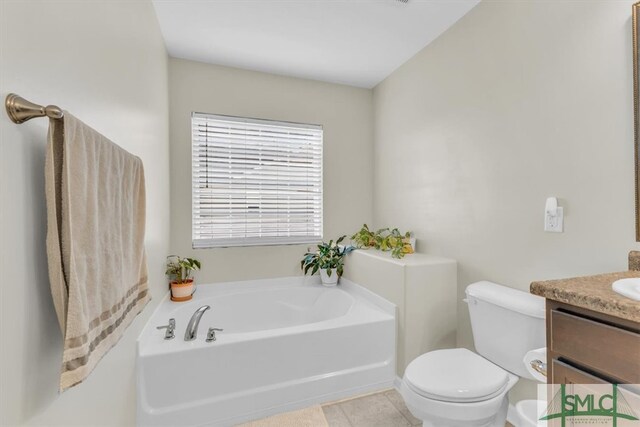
{"points": [[365, 238], [397, 243], [385, 240], [179, 271], [328, 260]]}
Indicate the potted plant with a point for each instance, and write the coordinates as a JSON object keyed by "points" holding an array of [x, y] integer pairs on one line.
{"points": [[385, 240], [328, 259], [179, 271], [365, 238]]}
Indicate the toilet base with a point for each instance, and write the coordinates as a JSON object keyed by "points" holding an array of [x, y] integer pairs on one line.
{"points": [[498, 420]]}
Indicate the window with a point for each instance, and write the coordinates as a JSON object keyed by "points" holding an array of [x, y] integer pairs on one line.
{"points": [[255, 182]]}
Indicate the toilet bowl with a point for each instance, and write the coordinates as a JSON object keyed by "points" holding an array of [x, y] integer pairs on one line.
{"points": [[457, 387]]}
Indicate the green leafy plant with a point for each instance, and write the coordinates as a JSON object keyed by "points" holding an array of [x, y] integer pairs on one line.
{"points": [[384, 239], [397, 243], [327, 257], [366, 238], [179, 269]]}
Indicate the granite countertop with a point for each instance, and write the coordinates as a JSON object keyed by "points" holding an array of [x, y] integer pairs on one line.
{"points": [[593, 293]]}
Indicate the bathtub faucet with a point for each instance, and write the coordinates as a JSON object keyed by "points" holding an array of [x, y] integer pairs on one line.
{"points": [[192, 328]]}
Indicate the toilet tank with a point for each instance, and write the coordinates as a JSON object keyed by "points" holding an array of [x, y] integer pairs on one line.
{"points": [[506, 324]]}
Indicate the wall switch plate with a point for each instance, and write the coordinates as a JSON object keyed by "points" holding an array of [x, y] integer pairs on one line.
{"points": [[554, 223]]}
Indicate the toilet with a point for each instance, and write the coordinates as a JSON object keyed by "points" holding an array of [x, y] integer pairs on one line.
{"points": [[457, 387]]}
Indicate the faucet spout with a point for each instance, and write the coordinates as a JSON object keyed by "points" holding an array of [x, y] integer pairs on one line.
{"points": [[192, 328]]}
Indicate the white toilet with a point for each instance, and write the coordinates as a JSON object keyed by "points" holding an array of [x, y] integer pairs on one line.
{"points": [[457, 387]]}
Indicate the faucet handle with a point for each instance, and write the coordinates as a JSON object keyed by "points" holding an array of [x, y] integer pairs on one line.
{"points": [[211, 334], [539, 366], [170, 328]]}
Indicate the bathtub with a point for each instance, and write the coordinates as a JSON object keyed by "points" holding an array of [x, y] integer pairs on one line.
{"points": [[287, 343]]}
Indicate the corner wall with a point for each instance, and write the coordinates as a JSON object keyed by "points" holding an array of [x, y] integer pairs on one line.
{"points": [[106, 63], [518, 101], [346, 114]]}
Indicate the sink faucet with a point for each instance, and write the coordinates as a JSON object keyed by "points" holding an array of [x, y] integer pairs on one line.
{"points": [[192, 328]]}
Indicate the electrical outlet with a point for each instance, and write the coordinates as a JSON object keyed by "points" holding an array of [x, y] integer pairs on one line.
{"points": [[554, 223]]}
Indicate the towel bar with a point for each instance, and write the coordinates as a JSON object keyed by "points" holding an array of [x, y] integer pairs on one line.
{"points": [[20, 110]]}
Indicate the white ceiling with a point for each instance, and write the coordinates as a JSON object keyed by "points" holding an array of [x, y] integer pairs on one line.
{"points": [[352, 42]]}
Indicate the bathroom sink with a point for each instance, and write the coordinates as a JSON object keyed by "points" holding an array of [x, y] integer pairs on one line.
{"points": [[629, 288]]}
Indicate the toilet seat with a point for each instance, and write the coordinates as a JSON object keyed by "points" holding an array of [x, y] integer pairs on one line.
{"points": [[455, 375]]}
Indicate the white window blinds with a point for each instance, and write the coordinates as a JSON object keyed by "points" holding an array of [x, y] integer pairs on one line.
{"points": [[255, 182]]}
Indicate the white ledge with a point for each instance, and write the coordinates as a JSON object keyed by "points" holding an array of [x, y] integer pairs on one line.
{"points": [[409, 259]]}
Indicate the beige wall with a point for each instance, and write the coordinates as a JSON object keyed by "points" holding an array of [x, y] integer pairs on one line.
{"points": [[347, 116], [105, 62], [516, 102]]}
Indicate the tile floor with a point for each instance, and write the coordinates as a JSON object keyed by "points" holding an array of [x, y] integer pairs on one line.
{"points": [[384, 409]]}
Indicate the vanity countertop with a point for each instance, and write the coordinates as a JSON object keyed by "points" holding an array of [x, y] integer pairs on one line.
{"points": [[593, 293]]}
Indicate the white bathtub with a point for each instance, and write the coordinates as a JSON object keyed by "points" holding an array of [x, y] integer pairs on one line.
{"points": [[287, 343]]}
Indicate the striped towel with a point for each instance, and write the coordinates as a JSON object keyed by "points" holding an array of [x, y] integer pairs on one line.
{"points": [[95, 242]]}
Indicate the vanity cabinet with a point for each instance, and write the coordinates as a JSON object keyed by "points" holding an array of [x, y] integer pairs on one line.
{"points": [[589, 347]]}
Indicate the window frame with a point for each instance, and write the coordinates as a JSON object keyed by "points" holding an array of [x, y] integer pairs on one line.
{"points": [[255, 241]]}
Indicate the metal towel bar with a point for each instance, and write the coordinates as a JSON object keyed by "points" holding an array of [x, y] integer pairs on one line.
{"points": [[20, 110]]}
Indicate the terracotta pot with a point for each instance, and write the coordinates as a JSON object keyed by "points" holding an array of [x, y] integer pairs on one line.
{"points": [[329, 280], [182, 291]]}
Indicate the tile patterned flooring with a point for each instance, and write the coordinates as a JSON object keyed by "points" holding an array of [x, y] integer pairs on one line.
{"points": [[383, 409]]}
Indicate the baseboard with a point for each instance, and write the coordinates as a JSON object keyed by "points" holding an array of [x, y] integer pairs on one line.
{"points": [[397, 382]]}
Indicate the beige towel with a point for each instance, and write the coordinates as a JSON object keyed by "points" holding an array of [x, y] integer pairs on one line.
{"points": [[95, 242]]}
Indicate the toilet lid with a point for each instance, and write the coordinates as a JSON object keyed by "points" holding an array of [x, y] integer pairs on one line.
{"points": [[455, 375]]}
